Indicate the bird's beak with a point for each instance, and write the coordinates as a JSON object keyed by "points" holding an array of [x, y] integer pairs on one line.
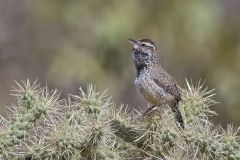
{"points": [[134, 43]]}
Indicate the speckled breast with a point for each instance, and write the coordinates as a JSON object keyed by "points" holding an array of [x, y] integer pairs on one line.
{"points": [[149, 90]]}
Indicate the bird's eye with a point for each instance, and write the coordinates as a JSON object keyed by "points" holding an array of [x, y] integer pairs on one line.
{"points": [[144, 45]]}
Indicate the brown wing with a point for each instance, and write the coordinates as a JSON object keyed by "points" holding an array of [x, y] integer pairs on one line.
{"points": [[166, 82]]}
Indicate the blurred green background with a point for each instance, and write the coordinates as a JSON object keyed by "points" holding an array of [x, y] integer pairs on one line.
{"points": [[72, 43]]}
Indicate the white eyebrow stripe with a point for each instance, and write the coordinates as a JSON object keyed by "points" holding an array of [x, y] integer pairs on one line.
{"points": [[148, 44]]}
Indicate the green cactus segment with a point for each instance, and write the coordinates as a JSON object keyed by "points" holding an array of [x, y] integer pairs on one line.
{"points": [[127, 133], [196, 101], [89, 127], [215, 145], [90, 146], [30, 107]]}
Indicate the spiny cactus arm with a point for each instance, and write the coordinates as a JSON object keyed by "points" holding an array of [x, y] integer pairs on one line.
{"points": [[90, 127], [90, 146], [127, 133], [32, 104], [80, 132], [215, 142], [196, 101]]}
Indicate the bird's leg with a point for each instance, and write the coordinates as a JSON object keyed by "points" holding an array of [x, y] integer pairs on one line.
{"points": [[149, 110]]}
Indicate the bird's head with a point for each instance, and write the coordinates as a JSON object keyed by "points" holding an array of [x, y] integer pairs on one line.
{"points": [[144, 52]]}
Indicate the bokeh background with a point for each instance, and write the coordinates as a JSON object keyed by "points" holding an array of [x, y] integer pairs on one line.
{"points": [[72, 43]]}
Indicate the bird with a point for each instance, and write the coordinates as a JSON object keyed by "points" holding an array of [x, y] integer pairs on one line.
{"points": [[154, 84]]}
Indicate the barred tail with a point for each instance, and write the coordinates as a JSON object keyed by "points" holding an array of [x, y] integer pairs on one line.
{"points": [[177, 113]]}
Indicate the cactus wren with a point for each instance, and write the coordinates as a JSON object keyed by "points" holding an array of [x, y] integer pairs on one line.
{"points": [[155, 85]]}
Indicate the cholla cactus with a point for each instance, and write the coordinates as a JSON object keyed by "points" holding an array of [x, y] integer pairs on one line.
{"points": [[89, 126]]}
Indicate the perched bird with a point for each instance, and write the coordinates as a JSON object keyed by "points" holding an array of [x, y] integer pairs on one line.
{"points": [[155, 85]]}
